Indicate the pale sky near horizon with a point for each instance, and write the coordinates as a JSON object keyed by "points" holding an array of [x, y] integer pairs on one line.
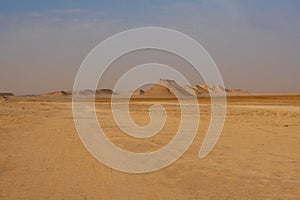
{"points": [[255, 44]]}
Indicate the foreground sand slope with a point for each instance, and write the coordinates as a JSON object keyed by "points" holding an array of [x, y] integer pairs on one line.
{"points": [[257, 156]]}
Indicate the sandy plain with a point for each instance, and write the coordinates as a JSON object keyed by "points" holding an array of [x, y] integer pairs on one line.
{"points": [[256, 157]]}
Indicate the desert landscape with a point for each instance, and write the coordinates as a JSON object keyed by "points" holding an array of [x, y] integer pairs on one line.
{"points": [[256, 157], [150, 100]]}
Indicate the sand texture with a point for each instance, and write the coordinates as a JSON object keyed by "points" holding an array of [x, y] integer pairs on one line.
{"points": [[256, 157]]}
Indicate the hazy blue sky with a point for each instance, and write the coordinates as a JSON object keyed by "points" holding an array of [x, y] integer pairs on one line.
{"points": [[255, 43]]}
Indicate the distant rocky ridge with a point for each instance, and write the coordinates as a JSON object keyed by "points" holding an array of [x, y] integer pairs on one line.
{"points": [[81, 92], [163, 89], [169, 88], [58, 93]]}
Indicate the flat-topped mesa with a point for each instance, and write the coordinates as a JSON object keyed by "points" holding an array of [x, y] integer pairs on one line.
{"points": [[6, 94]]}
